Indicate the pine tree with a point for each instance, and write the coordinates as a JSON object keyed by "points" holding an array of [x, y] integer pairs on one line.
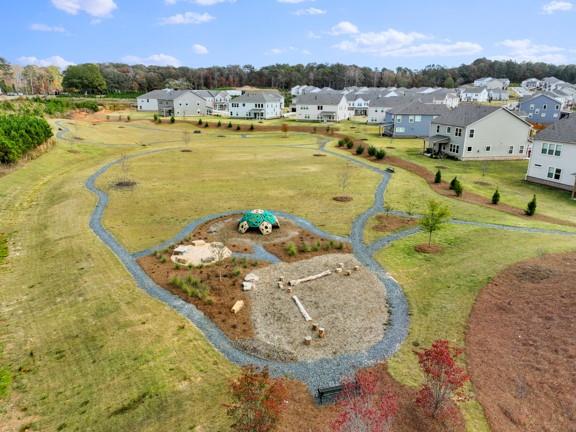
{"points": [[438, 177], [531, 207], [496, 197]]}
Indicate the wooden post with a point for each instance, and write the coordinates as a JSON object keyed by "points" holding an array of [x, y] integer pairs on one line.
{"points": [[321, 332], [315, 326], [308, 340]]}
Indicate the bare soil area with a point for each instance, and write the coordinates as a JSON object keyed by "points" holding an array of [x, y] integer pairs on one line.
{"points": [[351, 308], [521, 346], [428, 249], [387, 223]]}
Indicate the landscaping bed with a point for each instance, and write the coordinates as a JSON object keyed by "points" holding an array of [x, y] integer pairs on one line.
{"points": [[387, 223], [521, 348]]}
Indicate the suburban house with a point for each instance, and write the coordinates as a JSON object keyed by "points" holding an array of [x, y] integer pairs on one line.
{"points": [[222, 101], [553, 158], [358, 103], [447, 97], [257, 105], [474, 94], [541, 108], [149, 101], [412, 119], [492, 83], [208, 96], [531, 84], [479, 132], [303, 89], [550, 83], [380, 106], [182, 103], [322, 106], [498, 95]]}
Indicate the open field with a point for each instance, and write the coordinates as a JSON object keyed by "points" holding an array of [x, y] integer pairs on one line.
{"points": [[442, 288], [136, 363]]}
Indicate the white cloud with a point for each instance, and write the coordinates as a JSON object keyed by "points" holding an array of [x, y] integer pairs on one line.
{"points": [[154, 59], [49, 61], [97, 8], [187, 18], [200, 2], [392, 42], [310, 11], [47, 28], [199, 49], [293, 1], [344, 27], [525, 50], [312, 35], [557, 6]]}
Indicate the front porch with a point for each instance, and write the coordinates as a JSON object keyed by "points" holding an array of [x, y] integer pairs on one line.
{"points": [[436, 145]]}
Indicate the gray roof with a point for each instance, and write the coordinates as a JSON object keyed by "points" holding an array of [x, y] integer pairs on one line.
{"points": [[257, 98], [165, 94], [390, 101], [320, 98], [205, 94], [419, 108], [535, 95], [173, 94], [474, 90], [564, 131], [465, 115]]}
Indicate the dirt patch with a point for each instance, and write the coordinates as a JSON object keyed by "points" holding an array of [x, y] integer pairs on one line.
{"points": [[304, 414], [482, 183], [337, 302], [319, 155], [124, 184], [387, 223], [428, 249], [521, 347], [222, 293], [289, 242], [343, 198]]}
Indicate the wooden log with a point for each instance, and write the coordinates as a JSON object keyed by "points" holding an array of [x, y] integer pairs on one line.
{"points": [[308, 340], [315, 326], [348, 273], [237, 306], [338, 269], [321, 332], [280, 285], [310, 278], [301, 308], [356, 268]]}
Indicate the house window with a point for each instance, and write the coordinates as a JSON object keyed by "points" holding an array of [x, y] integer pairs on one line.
{"points": [[320, 107], [400, 130], [531, 107], [448, 129], [398, 119], [510, 149], [417, 119], [544, 148], [411, 119], [544, 106], [471, 134], [469, 149], [488, 148], [558, 151], [437, 128], [537, 111], [521, 150], [458, 132], [557, 107], [554, 173]]}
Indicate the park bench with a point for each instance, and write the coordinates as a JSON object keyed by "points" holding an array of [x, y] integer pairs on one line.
{"points": [[332, 392]]}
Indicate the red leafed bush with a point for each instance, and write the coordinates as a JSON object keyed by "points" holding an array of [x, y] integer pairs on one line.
{"points": [[362, 407], [444, 379], [258, 401]]}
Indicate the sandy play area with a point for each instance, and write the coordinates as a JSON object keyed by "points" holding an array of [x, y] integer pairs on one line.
{"points": [[352, 309]]}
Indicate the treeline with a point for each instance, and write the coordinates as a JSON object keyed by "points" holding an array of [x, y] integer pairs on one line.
{"points": [[139, 78], [38, 106], [21, 133]]}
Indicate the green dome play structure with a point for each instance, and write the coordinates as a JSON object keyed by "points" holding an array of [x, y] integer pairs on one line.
{"points": [[260, 219]]}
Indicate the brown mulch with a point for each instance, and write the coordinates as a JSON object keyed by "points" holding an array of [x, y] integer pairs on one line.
{"points": [[387, 223], [428, 249], [305, 415], [223, 293], [343, 198], [521, 346], [470, 197]]}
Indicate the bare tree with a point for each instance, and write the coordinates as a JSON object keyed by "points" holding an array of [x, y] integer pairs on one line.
{"points": [[344, 176]]}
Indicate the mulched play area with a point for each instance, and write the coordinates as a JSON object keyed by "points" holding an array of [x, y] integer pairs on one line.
{"points": [[521, 346]]}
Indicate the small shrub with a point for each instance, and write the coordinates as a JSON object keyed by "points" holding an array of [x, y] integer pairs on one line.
{"points": [[177, 266], [237, 127], [341, 143], [359, 150], [380, 154], [458, 188], [453, 182], [438, 177], [229, 125], [128, 118], [172, 120], [251, 127], [206, 125], [219, 123], [236, 272], [531, 207], [305, 247], [372, 151], [291, 249], [496, 197], [199, 122], [339, 245], [162, 259], [349, 144]]}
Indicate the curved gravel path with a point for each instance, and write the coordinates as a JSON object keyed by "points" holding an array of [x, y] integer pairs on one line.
{"points": [[318, 373]]}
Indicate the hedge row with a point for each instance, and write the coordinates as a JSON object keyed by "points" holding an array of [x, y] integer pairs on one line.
{"points": [[20, 134]]}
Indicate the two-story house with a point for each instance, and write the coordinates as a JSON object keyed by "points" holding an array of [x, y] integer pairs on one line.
{"points": [[182, 103], [541, 108], [474, 94], [412, 119], [479, 132], [378, 107], [322, 106], [553, 157], [531, 84], [258, 105]]}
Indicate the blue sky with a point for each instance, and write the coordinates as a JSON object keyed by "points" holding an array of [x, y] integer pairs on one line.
{"points": [[375, 33]]}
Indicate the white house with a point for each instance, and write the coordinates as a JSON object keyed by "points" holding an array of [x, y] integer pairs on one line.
{"points": [[380, 106], [492, 83], [531, 84], [322, 106], [498, 95], [553, 157], [182, 103], [258, 105], [474, 94], [550, 83], [149, 101], [479, 132]]}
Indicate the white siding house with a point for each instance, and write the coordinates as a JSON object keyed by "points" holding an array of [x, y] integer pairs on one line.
{"points": [[553, 157], [149, 101], [322, 106], [474, 94], [257, 106], [480, 132], [182, 103]]}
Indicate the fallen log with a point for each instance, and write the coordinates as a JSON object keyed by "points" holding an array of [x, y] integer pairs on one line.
{"points": [[301, 308], [237, 306], [310, 278]]}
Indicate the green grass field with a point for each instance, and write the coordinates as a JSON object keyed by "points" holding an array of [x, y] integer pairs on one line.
{"points": [[83, 348]]}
